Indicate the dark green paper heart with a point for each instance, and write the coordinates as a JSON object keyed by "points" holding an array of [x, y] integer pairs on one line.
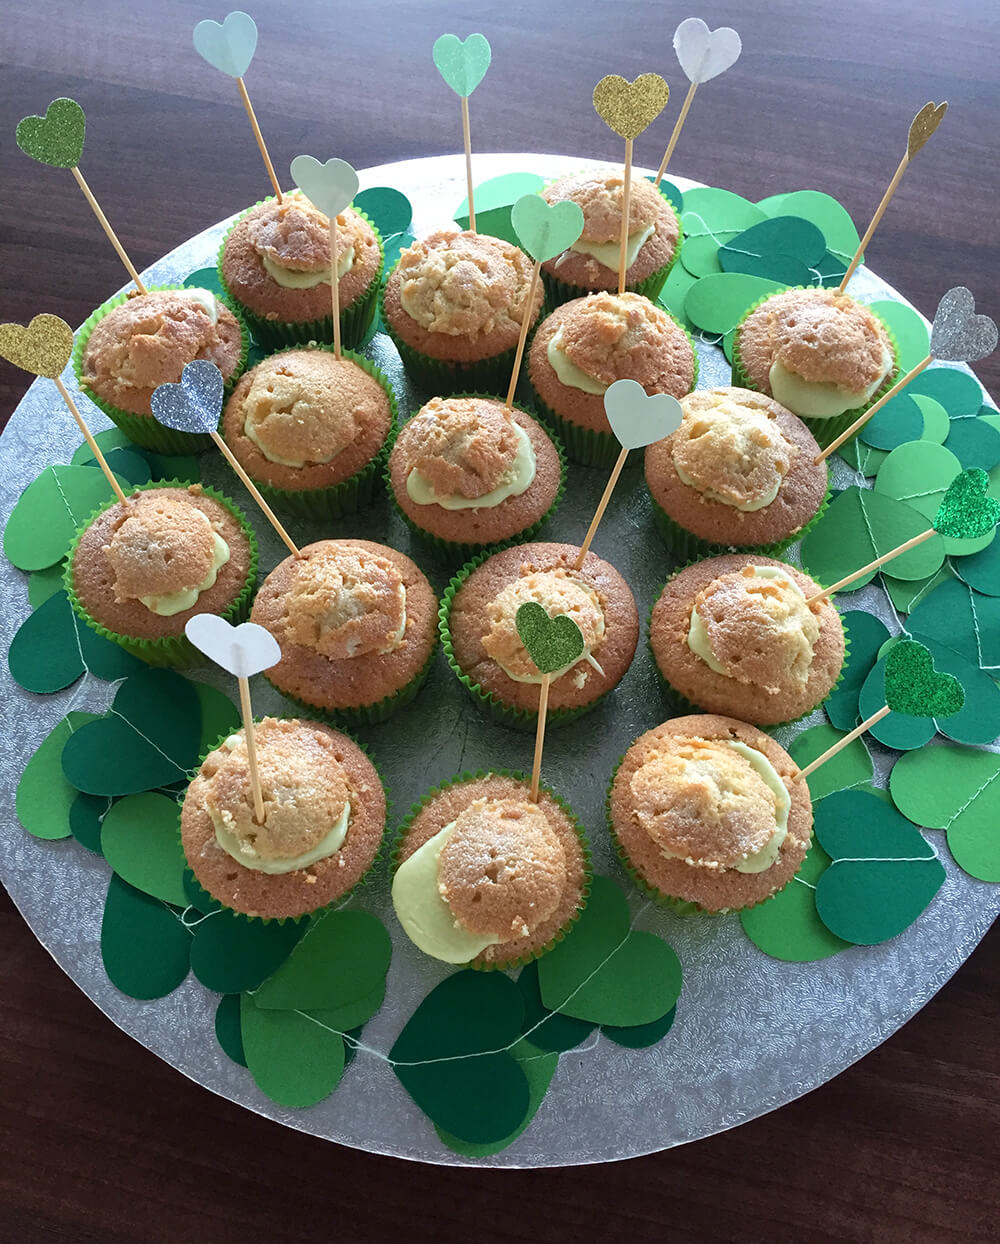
{"points": [[145, 948], [960, 619], [914, 686], [641, 1036], [57, 138], [865, 635], [783, 248], [86, 819], [967, 509], [227, 1028], [552, 643], [53, 647], [232, 954], [546, 1029], [787, 926]]}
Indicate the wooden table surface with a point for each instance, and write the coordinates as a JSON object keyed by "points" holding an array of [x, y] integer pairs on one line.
{"points": [[100, 1140]]}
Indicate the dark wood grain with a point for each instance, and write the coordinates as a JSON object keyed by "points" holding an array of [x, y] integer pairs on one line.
{"points": [[100, 1140]]}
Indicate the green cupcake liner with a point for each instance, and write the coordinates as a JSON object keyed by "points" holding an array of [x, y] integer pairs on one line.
{"points": [[352, 494], [171, 650], [461, 780], [463, 552], [517, 718], [825, 431], [355, 320], [145, 430]]}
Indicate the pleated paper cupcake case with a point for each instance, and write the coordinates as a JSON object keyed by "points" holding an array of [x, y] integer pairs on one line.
{"points": [[462, 779], [145, 430], [172, 650]]}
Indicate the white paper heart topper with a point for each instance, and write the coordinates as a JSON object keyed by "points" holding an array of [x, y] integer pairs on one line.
{"points": [[331, 186], [958, 335], [243, 650], [229, 46], [704, 53], [638, 418]]}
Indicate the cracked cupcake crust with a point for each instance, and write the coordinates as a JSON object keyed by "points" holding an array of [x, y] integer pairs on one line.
{"points": [[714, 889], [148, 340], [164, 545]]}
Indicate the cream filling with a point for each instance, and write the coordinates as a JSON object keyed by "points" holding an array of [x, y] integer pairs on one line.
{"points": [[251, 434], [244, 854], [608, 253], [176, 602], [569, 374], [423, 911], [698, 640], [820, 399], [578, 682], [746, 506], [288, 278], [517, 480], [205, 298]]}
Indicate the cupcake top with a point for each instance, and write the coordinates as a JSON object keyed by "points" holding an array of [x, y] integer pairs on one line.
{"points": [[485, 874], [818, 352], [558, 591], [599, 195], [324, 815], [147, 340]]}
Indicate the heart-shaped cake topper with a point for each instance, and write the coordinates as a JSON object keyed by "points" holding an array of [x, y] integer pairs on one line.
{"points": [[628, 107], [914, 686], [43, 348], [57, 138], [552, 643], [546, 230], [966, 510], [331, 186], [195, 404], [704, 54], [462, 65], [923, 126], [243, 650], [227, 46], [958, 334], [638, 418]]}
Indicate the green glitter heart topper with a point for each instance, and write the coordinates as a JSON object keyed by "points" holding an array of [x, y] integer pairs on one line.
{"points": [[552, 643], [967, 510], [914, 686]]}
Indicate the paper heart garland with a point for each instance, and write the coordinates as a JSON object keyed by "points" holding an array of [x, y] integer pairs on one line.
{"points": [[966, 510], [702, 53], [552, 643], [628, 107], [193, 405], [638, 418], [958, 335], [57, 138], [923, 126], [43, 348], [546, 230], [914, 686], [331, 186], [243, 650], [227, 46], [463, 65]]}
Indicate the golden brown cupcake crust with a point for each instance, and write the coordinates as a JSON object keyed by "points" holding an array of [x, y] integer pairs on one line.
{"points": [[164, 545]]}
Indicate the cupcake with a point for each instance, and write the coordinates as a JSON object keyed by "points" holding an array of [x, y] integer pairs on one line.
{"points": [[136, 573], [739, 473], [275, 262], [133, 344], [487, 878], [483, 647], [466, 472], [592, 262], [324, 817], [454, 306], [819, 353], [708, 811], [356, 623], [584, 346], [311, 430], [734, 635]]}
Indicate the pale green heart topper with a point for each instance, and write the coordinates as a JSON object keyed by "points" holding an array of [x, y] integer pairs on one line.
{"points": [[227, 46], [330, 186], [546, 230], [56, 138], [462, 65], [638, 418]]}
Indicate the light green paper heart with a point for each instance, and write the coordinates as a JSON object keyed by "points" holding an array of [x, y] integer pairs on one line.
{"points": [[545, 230], [462, 64], [227, 46], [494, 200], [330, 186], [552, 643], [57, 138], [822, 210], [639, 418], [787, 926], [294, 1059], [850, 767], [919, 473], [711, 217], [44, 797], [49, 512], [912, 335], [140, 839], [717, 303]]}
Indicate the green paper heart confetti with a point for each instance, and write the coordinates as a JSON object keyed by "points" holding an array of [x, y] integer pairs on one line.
{"points": [[913, 341], [974, 442], [140, 839], [57, 138], [294, 1058], [44, 797], [228, 1032], [86, 820], [981, 570], [711, 218], [145, 947], [494, 200], [850, 767], [716, 303], [826, 213], [900, 419], [115, 444], [865, 636], [960, 619], [462, 63], [967, 509], [50, 511], [552, 643], [232, 954], [914, 686], [548, 1030], [546, 230], [785, 249], [908, 595], [787, 926], [919, 474]]}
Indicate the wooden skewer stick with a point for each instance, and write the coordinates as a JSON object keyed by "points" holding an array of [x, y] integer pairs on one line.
{"points": [[543, 708], [259, 136], [879, 213], [247, 713], [860, 422], [251, 488], [335, 287], [626, 195], [842, 743], [88, 436], [106, 226], [525, 326], [602, 505], [679, 125], [466, 137], [879, 561]]}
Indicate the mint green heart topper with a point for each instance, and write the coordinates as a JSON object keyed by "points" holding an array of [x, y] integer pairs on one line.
{"points": [[552, 643], [546, 230], [967, 510], [330, 186], [463, 65], [914, 686], [227, 46], [639, 418], [57, 138]]}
